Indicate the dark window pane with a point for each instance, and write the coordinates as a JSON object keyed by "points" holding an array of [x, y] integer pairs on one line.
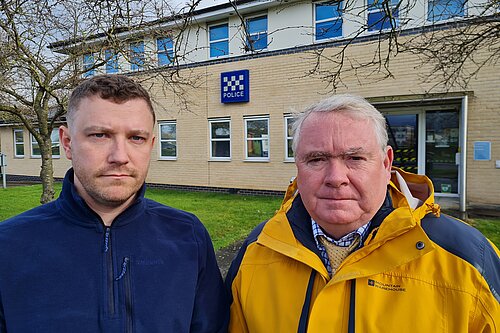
{"points": [[257, 128], [402, 130], [220, 149], [220, 130], [168, 149], [442, 137], [168, 132]]}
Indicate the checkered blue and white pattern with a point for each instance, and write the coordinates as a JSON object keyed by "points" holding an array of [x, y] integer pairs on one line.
{"points": [[233, 83]]}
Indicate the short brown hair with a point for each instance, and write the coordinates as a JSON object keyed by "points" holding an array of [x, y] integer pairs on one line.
{"points": [[117, 88]]}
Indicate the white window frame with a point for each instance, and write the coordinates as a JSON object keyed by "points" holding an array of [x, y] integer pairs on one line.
{"points": [[266, 158], [288, 118], [33, 142], [160, 140], [214, 121], [210, 42], [19, 130]]}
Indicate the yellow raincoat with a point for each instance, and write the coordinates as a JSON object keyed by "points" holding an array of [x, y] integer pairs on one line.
{"points": [[417, 271]]}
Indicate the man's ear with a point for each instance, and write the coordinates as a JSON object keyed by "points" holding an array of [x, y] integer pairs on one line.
{"points": [[65, 139], [388, 159]]}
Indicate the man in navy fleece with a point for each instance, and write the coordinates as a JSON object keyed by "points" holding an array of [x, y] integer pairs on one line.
{"points": [[102, 258]]}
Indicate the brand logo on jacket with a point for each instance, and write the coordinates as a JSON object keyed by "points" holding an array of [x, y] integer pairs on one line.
{"points": [[385, 286], [235, 86], [149, 262]]}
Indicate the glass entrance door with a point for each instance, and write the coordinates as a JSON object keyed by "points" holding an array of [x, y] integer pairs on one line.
{"points": [[403, 135], [441, 148], [436, 144]]}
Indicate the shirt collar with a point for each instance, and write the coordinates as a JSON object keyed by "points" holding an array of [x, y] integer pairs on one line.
{"points": [[343, 241]]}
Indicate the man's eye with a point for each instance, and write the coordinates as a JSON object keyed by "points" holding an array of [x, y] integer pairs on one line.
{"points": [[98, 135], [316, 160], [355, 158], [138, 138]]}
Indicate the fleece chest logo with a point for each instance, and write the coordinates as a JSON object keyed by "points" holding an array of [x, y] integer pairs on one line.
{"points": [[386, 286]]}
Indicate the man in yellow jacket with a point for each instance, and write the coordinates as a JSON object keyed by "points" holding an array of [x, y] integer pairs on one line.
{"points": [[360, 246]]}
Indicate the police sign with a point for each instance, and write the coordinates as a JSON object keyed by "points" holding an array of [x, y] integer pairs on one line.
{"points": [[235, 86]]}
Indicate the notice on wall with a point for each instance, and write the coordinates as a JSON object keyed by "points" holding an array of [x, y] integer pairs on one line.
{"points": [[482, 151]]}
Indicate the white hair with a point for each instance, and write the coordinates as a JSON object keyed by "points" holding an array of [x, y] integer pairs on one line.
{"points": [[350, 105]]}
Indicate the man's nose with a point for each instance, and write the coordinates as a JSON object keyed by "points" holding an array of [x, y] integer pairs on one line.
{"points": [[336, 173], [119, 152]]}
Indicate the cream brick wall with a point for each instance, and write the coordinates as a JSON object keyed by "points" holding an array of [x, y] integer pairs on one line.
{"points": [[278, 85]]}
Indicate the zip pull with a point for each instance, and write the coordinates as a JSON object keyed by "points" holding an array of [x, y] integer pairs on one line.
{"points": [[124, 268], [106, 240]]}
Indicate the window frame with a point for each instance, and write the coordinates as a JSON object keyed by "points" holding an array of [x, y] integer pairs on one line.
{"points": [[88, 64], [288, 138], [54, 134], [253, 158], [137, 56], [166, 52], [250, 46], [211, 139], [375, 9], [221, 40], [161, 140], [112, 64], [16, 143], [340, 6]]}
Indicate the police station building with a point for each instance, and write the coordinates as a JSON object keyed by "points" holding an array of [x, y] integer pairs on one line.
{"points": [[236, 135]]}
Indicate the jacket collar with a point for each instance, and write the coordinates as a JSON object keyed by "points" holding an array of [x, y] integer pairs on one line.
{"points": [[290, 224], [76, 210]]}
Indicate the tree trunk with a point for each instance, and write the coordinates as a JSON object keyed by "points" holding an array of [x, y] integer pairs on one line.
{"points": [[47, 172]]}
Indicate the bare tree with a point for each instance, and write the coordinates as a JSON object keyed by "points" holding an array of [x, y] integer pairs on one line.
{"points": [[35, 78], [448, 37]]}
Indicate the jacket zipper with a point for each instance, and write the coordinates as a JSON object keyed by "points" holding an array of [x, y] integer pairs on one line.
{"points": [[109, 272], [128, 300], [125, 275]]}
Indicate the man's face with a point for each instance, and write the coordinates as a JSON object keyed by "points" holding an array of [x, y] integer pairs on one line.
{"points": [[342, 171], [110, 146]]}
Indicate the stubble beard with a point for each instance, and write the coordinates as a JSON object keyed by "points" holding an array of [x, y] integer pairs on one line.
{"points": [[109, 193]]}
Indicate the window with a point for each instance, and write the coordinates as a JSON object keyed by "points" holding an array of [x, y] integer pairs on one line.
{"points": [[168, 140], [111, 61], [328, 20], [440, 10], [54, 137], [88, 64], [165, 49], [257, 33], [137, 56], [288, 138], [18, 143], [219, 40], [220, 139], [257, 138], [382, 14]]}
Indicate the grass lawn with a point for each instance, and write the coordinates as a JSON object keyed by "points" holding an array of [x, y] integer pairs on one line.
{"points": [[228, 217]]}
